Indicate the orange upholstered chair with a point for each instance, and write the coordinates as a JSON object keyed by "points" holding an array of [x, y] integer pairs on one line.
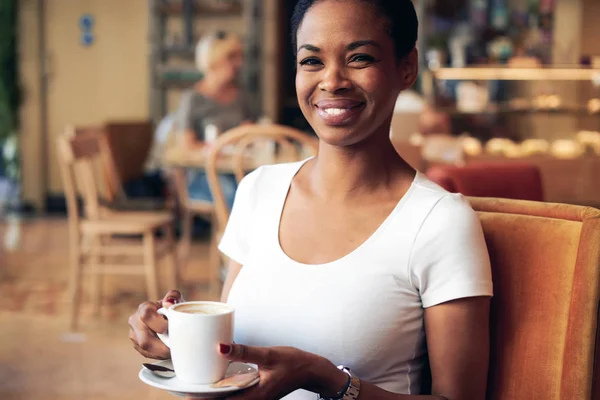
{"points": [[520, 181], [544, 318]]}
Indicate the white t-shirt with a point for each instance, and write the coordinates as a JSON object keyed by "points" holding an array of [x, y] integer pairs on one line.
{"points": [[364, 310]]}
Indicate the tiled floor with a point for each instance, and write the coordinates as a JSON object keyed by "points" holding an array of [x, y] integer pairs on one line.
{"points": [[39, 358]]}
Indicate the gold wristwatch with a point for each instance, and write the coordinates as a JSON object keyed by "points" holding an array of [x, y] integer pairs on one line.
{"points": [[350, 391]]}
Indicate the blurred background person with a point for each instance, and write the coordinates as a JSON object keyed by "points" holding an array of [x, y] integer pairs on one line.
{"points": [[214, 105]]}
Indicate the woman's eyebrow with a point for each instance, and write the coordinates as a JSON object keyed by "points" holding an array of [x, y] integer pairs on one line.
{"points": [[310, 47], [350, 47], [361, 43]]}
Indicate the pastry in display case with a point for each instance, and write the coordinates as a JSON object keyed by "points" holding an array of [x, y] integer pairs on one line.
{"points": [[594, 106]]}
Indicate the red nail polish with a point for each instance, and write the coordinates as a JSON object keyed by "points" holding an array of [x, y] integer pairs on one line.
{"points": [[224, 348], [171, 300]]}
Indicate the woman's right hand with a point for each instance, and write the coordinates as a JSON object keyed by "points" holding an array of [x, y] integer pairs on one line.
{"points": [[146, 322]]}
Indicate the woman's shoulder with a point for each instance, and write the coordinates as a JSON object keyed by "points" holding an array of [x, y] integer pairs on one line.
{"points": [[441, 209]]}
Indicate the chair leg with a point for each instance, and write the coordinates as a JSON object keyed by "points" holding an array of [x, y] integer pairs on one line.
{"points": [[103, 241], [172, 258], [150, 265], [214, 264], [186, 238], [96, 278], [74, 282]]}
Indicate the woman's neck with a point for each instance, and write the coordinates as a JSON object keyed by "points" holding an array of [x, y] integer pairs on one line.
{"points": [[347, 172]]}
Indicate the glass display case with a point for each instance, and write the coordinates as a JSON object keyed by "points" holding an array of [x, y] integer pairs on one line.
{"points": [[518, 103], [545, 116]]}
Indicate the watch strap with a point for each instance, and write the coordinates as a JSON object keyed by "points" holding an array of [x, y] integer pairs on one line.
{"points": [[350, 391]]}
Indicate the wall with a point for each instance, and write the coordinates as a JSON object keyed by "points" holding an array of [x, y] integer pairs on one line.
{"points": [[31, 132]]}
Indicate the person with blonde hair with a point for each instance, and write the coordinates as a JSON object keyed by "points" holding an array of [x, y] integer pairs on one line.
{"points": [[217, 102]]}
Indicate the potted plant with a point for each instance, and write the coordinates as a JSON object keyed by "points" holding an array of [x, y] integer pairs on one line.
{"points": [[10, 168]]}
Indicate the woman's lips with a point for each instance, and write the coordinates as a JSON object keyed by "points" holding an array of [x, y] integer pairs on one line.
{"points": [[339, 112]]}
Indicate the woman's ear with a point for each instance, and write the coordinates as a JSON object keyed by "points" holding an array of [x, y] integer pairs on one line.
{"points": [[408, 69]]}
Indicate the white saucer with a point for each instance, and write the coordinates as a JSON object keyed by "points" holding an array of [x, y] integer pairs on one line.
{"points": [[183, 389]]}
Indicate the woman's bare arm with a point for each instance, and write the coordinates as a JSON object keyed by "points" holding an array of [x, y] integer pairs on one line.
{"points": [[458, 347]]}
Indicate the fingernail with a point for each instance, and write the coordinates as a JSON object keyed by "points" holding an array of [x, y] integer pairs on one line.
{"points": [[225, 348], [171, 300]]}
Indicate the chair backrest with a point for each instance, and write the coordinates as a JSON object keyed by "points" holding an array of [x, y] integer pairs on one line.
{"points": [[110, 174], [544, 316], [130, 143], [293, 145], [78, 158], [520, 181]]}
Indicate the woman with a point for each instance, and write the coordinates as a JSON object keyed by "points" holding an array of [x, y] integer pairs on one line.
{"points": [[351, 258], [216, 102]]}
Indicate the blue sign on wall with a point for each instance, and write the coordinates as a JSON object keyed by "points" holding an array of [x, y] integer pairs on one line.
{"points": [[86, 25], [87, 39], [86, 22]]}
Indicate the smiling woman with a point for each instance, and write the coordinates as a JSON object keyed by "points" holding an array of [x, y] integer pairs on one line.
{"points": [[353, 80], [350, 269]]}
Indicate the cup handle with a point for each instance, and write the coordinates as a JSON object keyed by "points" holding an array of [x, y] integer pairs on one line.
{"points": [[164, 337]]}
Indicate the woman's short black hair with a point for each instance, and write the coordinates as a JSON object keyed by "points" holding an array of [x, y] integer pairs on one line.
{"points": [[401, 16]]}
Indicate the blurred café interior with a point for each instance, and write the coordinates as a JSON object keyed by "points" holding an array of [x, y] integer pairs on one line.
{"points": [[108, 196]]}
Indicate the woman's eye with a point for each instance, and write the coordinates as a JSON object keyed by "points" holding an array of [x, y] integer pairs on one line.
{"points": [[362, 58], [310, 62]]}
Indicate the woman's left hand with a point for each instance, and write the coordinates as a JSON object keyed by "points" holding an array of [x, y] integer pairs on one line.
{"points": [[283, 370]]}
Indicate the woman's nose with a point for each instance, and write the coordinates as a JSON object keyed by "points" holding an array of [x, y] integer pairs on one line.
{"points": [[334, 80]]}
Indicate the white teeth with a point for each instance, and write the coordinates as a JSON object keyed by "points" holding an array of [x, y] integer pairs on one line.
{"points": [[335, 111]]}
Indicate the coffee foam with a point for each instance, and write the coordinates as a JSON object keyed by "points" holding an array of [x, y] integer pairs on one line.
{"points": [[199, 308]]}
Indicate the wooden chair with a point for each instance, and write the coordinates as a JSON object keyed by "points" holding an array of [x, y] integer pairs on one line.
{"points": [[292, 145], [113, 194], [91, 235], [111, 187], [544, 316], [189, 208], [130, 143]]}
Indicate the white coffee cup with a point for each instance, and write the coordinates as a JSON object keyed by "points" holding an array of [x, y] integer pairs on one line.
{"points": [[196, 329]]}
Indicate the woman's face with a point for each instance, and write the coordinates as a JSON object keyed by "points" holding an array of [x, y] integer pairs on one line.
{"points": [[348, 78], [227, 69]]}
